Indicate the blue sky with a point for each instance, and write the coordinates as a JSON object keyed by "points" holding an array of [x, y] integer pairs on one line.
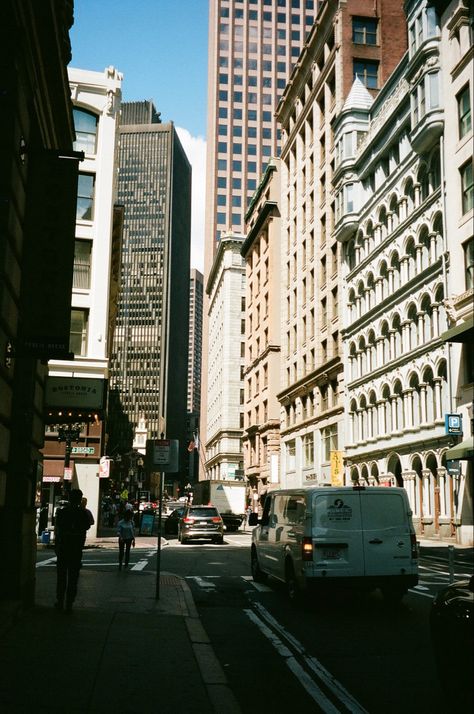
{"points": [[160, 46]]}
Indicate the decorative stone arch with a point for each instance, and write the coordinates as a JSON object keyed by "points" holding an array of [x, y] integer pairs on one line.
{"points": [[431, 475], [394, 469], [416, 489], [423, 247], [394, 211], [364, 473], [374, 474], [354, 474]]}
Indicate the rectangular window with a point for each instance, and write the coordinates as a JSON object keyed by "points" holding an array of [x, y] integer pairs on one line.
{"points": [[467, 187], [78, 334], [82, 264], [329, 441], [364, 30], [308, 450], [464, 111], [469, 263], [367, 71], [85, 125], [291, 455], [85, 197]]}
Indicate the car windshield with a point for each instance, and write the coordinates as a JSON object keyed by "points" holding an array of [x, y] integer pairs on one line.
{"points": [[204, 512]]}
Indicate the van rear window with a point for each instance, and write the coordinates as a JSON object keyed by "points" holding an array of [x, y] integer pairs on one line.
{"points": [[382, 510]]}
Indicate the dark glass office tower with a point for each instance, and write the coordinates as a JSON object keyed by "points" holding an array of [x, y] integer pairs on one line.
{"points": [[149, 372]]}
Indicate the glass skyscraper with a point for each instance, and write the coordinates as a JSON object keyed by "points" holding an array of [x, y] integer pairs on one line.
{"points": [[154, 185]]}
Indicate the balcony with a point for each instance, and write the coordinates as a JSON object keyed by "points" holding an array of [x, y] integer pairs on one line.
{"points": [[427, 131], [346, 226]]}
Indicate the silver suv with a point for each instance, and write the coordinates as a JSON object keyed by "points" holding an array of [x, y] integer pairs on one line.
{"points": [[201, 522]]}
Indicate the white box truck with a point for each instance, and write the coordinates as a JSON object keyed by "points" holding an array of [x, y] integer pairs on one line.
{"points": [[227, 496]]}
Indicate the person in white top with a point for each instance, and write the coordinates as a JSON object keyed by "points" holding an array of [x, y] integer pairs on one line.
{"points": [[126, 536]]}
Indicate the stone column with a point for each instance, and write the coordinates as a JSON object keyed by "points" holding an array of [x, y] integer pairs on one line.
{"points": [[419, 262], [404, 269], [423, 405], [435, 318], [381, 417], [437, 400]]}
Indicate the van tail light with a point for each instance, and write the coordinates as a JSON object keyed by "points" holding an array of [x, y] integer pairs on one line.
{"points": [[414, 546], [307, 549], [216, 519], [188, 520]]}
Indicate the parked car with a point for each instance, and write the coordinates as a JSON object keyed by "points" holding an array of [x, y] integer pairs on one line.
{"points": [[172, 521], [201, 522], [314, 538], [452, 635]]}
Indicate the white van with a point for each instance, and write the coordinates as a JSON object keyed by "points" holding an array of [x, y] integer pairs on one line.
{"points": [[351, 536]]}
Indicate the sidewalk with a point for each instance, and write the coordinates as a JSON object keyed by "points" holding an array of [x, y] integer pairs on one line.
{"points": [[120, 650]]}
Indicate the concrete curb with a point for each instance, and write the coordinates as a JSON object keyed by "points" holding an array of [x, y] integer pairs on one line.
{"points": [[213, 676]]}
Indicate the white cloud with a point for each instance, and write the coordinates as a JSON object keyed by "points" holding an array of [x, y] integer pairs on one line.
{"points": [[195, 148]]}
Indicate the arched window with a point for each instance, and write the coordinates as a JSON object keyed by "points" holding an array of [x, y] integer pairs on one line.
{"points": [[85, 125], [412, 316], [363, 420], [384, 283], [423, 180], [435, 170], [371, 291], [361, 298], [395, 267], [353, 422], [394, 211], [438, 231], [411, 253], [350, 255], [410, 195], [369, 231], [387, 409], [351, 298], [353, 361], [424, 241], [360, 247], [385, 332], [427, 318], [383, 222], [429, 396], [397, 336], [398, 411], [363, 356], [415, 406], [442, 405], [373, 422], [371, 352]]}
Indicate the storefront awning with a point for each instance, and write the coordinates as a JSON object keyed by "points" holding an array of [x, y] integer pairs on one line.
{"points": [[459, 333], [463, 450]]}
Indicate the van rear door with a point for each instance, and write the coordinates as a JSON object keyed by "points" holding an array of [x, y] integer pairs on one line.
{"points": [[337, 534], [387, 532]]}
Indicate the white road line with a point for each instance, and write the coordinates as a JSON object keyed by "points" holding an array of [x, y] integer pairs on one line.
{"points": [[201, 582], [311, 687], [258, 586], [329, 680], [49, 561], [140, 565]]}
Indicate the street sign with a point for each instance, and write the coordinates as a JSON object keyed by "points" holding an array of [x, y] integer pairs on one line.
{"points": [[82, 450], [453, 424], [163, 455], [67, 473]]}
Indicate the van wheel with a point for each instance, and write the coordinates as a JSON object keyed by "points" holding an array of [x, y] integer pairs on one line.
{"points": [[258, 575], [292, 588], [393, 596]]}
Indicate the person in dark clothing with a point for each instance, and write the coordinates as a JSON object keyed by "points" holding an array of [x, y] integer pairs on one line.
{"points": [[71, 526]]}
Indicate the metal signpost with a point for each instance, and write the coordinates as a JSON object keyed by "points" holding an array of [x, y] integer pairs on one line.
{"points": [[162, 456]]}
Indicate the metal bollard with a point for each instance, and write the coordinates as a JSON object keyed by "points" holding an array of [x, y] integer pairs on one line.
{"points": [[451, 563]]}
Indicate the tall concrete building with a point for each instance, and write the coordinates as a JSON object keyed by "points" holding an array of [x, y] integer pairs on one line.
{"points": [[196, 293], [262, 253], [149, 373], [226, 289], [349, 39], [253, 47], [96, 98]]}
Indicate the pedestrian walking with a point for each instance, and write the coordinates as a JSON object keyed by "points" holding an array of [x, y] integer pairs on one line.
{"points": [[126, 536], [71, 526], [90, 517]]}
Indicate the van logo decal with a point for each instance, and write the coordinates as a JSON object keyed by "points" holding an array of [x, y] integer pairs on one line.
{"points": [[339, 512]]}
